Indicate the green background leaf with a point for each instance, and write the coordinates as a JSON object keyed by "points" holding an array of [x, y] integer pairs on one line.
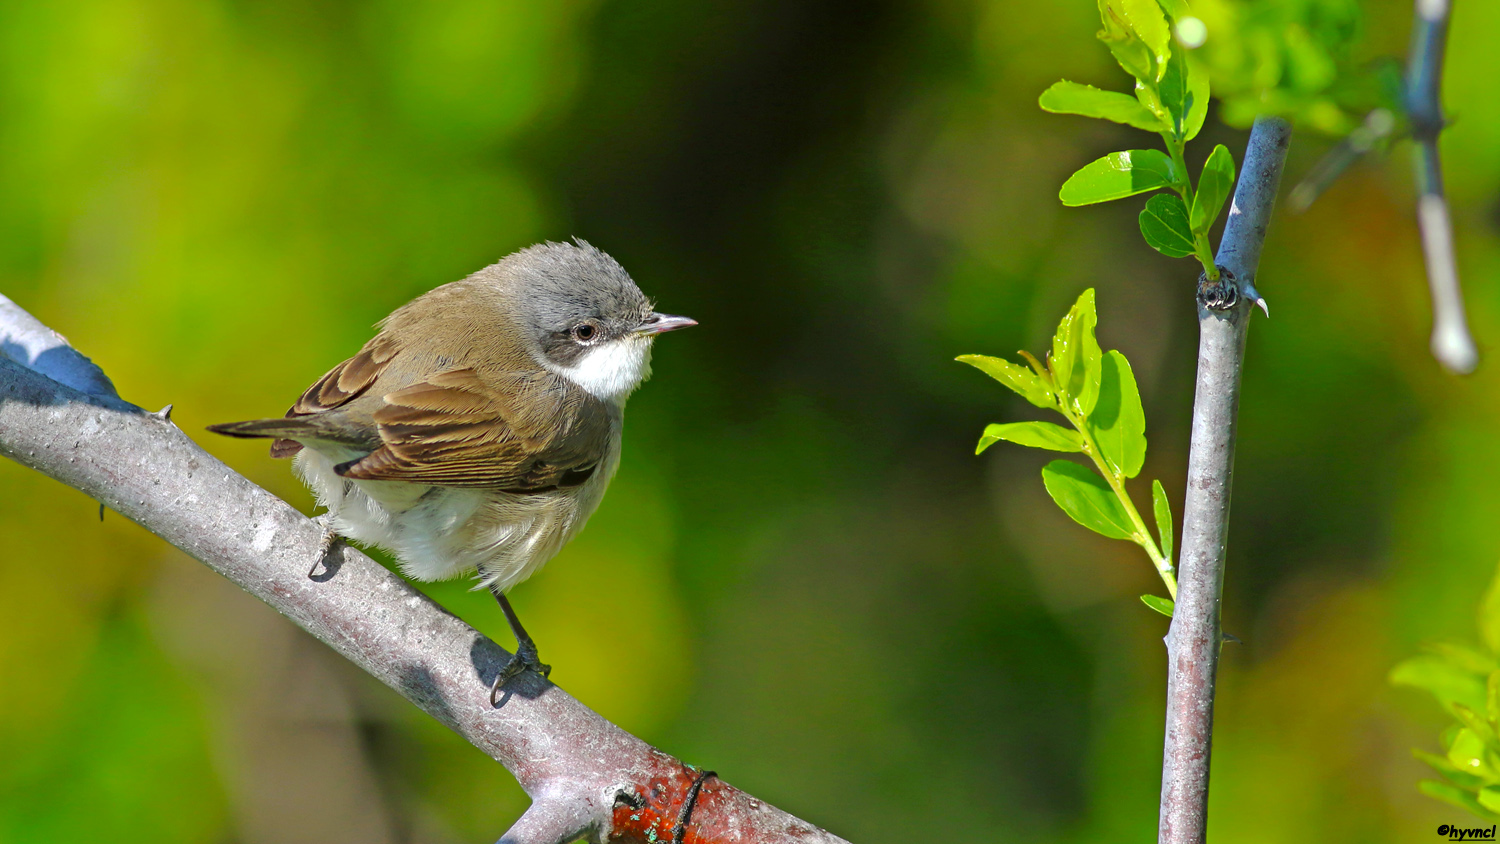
{"points": [[1087, 498], [1074, 98], [1489, 615], [1455, 796], [1467, 753], [1447, 682], [1164, 224], [1032, 434], [1118, 423], [1118, 175]]}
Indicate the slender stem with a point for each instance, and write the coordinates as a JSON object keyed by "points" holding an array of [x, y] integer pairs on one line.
{"points": [[1176, 149], [1202, 249], [1194, 638], [1452, 344], [1116, 481]]}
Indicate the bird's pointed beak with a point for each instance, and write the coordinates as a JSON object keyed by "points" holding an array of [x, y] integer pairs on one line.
{"points": [[662, 323]]}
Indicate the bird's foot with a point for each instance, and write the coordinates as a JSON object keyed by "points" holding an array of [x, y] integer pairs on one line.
{"points": [[325, 545], [525, 659]]}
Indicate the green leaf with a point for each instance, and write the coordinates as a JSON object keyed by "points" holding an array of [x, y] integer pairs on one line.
{"points": [[1489, 616], [1065, 352], [1457, 797], [1489, 798], [1134, 56], [1017, 378], [1213, 188], [1118, 422], [1198, 93], [1164, 224], [1175, 8], [1118, 175], [1481, 728], [1492, 693], [1087, 498], [1084, 384], [1173, 92], [1036, 365], [1163, 509], [1450, 773], [1447, 682], [1033, 434], [1073, 98], [1464, 656], [1145, 19], [1091, 357], [1467, 753], [1075, 355], [1161, 605]]}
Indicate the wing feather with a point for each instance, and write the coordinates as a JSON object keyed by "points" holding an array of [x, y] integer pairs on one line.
{"points": [[339, 386], [519, 432]]}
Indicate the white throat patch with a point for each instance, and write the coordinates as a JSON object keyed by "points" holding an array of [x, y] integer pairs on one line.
{"points": [[611, 371]]}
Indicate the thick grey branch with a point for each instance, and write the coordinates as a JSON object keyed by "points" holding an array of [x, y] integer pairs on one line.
{"points": [[1194, 637], [574, 763], [1451, 343]]}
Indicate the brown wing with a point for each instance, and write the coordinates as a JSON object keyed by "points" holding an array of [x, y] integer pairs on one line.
{"points": [[517, 432], [341, 385]]}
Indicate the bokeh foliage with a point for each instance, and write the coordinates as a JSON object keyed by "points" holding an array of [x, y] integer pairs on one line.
{"points": [[802, 577], [1465, 680]]}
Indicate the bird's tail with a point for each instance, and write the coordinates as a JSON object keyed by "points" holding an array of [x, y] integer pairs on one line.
{"points": [[281, 429], [285, 431]]}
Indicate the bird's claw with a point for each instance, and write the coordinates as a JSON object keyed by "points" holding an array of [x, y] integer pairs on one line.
{"points": [[330, 536], [525, 659]]}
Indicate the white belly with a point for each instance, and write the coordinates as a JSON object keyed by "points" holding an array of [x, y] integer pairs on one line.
{"points": [[438, 533]]}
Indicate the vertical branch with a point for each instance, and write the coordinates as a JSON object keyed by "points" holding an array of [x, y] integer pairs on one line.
{"points": [[1194, 637], [1451, 343]]}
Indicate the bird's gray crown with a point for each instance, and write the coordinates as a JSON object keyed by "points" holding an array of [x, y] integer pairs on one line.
{"points": [[563, 284]]}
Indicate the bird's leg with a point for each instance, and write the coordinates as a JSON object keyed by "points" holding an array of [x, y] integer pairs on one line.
{"points": [[525, 658], [330, 536]]}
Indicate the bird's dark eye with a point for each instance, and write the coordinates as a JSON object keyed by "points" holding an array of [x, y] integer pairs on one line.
{"points": [[584, 332]]}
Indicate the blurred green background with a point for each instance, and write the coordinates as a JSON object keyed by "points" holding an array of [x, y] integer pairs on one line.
{"points": [[824, 595]]}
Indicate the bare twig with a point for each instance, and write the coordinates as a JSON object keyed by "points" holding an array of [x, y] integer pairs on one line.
{"points": [[1194, 638], [1452, 344], [1375, 130], [587, 778]]}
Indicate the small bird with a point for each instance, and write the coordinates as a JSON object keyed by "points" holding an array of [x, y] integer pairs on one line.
{"points": [[479, 428]]}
